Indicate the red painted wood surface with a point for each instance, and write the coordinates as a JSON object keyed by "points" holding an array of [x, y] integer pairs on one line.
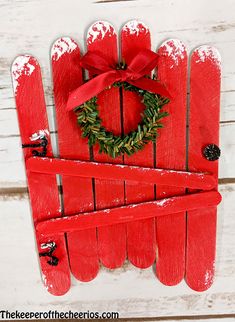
{"points": [[204, 130], [43, 188], [141, 243], [171, 154], [77, 192], [112, 240], [121, 172], [130, 213], [97, 223]]}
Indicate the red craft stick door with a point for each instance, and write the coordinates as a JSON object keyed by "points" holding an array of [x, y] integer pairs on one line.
{"points": [[171, 154], [77, 191], [43, 188], [203, 130], [164, 238], [102, 39], [141, 245]]}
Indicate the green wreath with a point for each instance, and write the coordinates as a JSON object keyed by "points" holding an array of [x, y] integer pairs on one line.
{"points": [[114, 145]]}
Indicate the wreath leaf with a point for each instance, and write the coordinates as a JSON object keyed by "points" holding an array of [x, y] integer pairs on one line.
{"points": [[114, 145]]}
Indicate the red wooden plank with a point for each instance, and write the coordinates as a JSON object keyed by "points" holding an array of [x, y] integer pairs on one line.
{"points": [[141, 244], [121, 172], [112, 240], [171, 154], [43, 188], [204, 129], [77, 192], [130, 213]]}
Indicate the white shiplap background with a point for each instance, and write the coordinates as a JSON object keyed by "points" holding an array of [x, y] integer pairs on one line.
{"points": [[31, 26]]}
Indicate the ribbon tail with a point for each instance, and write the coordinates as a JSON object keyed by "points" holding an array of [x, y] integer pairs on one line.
{"points": [[151, 86], [90, 89]]}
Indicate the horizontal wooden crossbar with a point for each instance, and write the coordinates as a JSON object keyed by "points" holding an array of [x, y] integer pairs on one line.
{"points": [[129, 213], [88, 169]]}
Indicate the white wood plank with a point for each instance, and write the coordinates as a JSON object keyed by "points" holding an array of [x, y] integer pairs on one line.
{"points": [[226, 50], [9, 123], [130, 291], [227, 145], [24, 28], [12, 172]]}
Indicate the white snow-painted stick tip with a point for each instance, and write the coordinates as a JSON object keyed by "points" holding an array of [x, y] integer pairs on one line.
{"points": [[99, 30], [135, 27], [61, 46], [22, 65], [207, 52]]}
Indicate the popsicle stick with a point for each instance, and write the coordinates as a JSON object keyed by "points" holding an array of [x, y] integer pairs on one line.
{"points": [[77, 192], [121, 172], [141, 244], [204, 130], [171, 154], [102, 38], [130, 213], [43, 190]]}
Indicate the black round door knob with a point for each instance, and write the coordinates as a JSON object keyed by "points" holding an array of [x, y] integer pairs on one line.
{"points": [[211, 152]]}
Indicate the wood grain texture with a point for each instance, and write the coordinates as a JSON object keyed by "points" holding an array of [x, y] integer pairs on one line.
{"points": [[171, 154], [32, 21], [130, 291], [15, 176], [141, 241], [77, 192], [203, 130], [107, 1], [100, 170], [102, 37], [43, 190], [131, 213]]}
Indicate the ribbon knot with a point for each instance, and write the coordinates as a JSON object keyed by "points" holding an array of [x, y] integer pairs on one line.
{"points": [[126, 75], [135, 74]]}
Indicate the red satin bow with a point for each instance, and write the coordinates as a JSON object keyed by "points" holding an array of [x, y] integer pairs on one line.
{"points": [[142, 64]]}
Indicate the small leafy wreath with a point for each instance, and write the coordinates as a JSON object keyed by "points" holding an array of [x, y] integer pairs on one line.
{"points": [[114, 145]]}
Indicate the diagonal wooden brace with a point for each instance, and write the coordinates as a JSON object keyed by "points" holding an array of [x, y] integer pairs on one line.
{"points": [[128, 213], [88, 169]]}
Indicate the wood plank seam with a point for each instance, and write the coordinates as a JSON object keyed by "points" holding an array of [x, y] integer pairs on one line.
{"points": [[22, 192]]}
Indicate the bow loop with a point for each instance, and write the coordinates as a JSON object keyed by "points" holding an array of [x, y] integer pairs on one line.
{"points": [[144, 62], [101, 65], [140, 66]]}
